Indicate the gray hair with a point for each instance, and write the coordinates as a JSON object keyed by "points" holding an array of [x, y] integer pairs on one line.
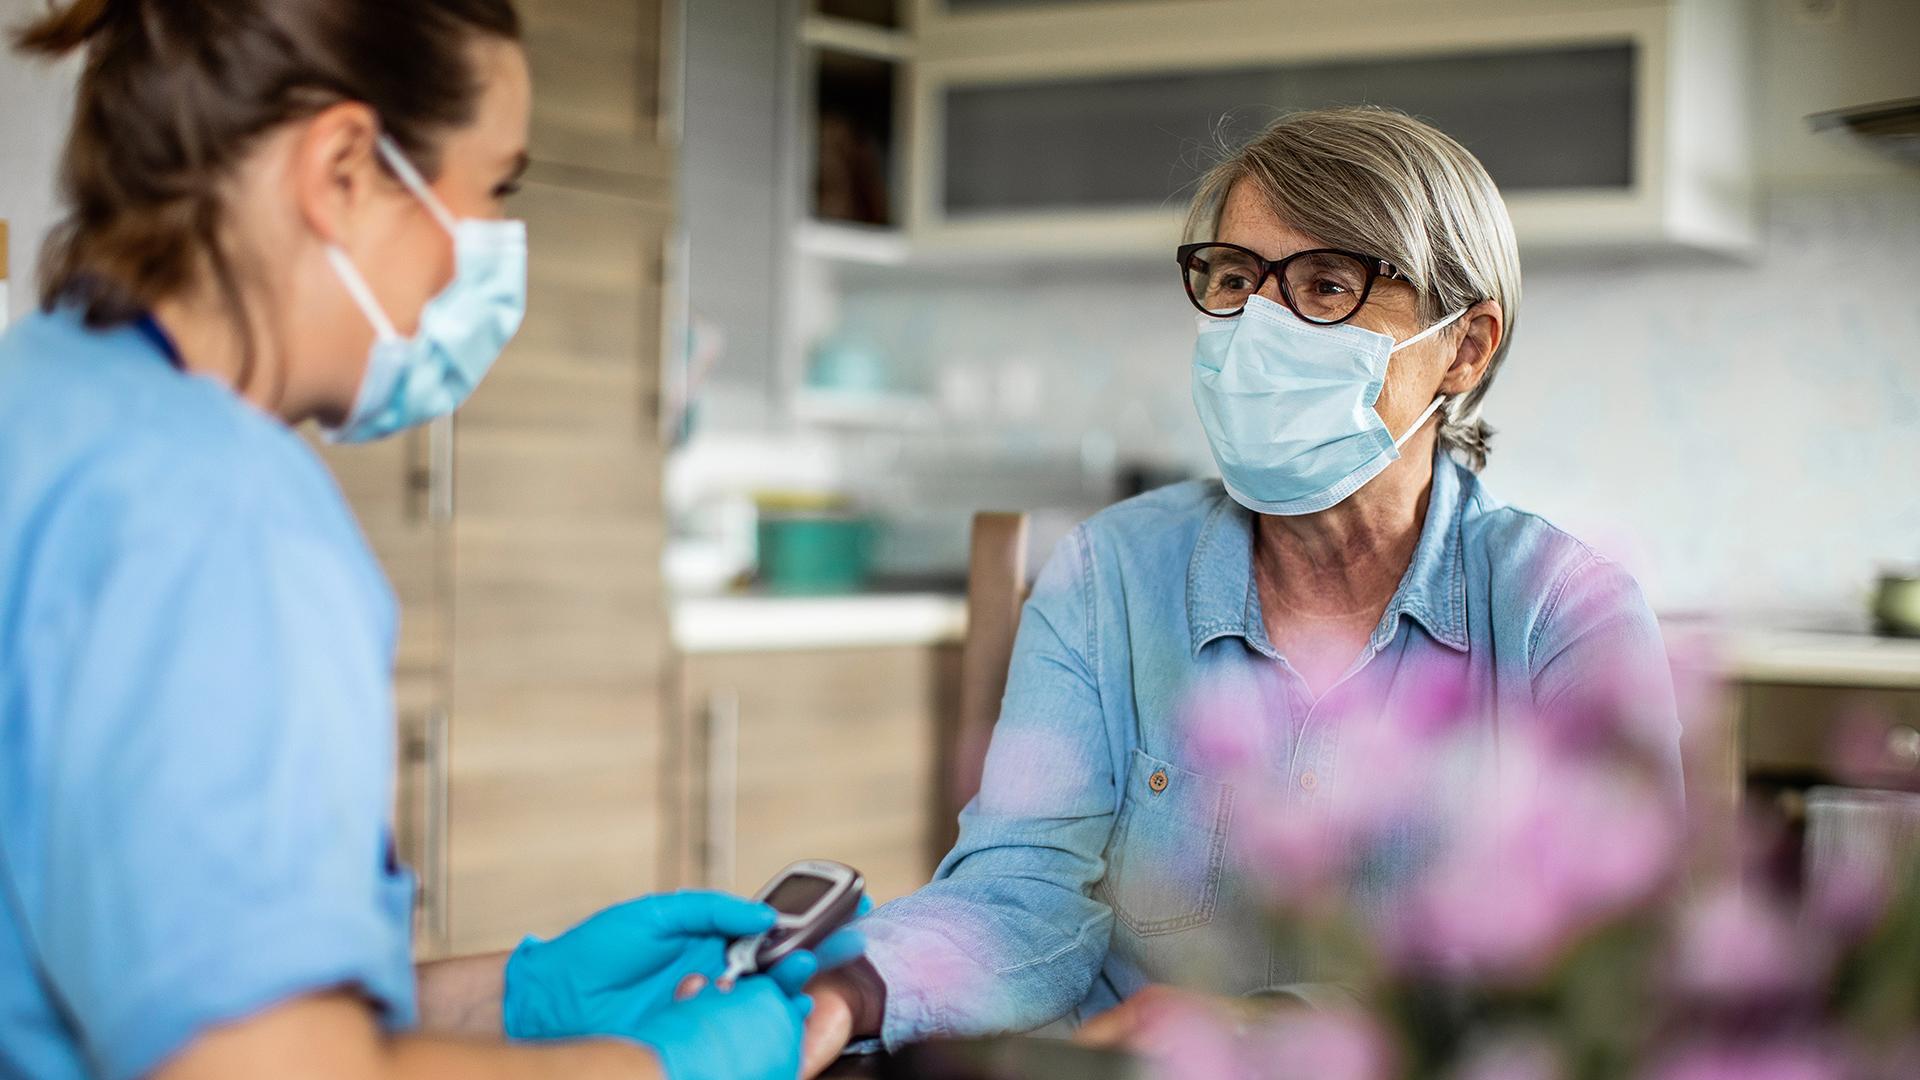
{"points": [[1379, 181]]}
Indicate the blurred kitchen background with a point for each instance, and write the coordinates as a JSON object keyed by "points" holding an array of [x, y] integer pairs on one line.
{"points": [[817, 280]]}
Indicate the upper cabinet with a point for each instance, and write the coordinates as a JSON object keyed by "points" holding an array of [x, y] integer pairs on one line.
{"points": [[1077, 127], [605, 114]]}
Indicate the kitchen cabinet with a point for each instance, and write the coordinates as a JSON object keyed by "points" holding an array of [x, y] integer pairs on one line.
{"points": [[523, 536], [1075, 128], [813, 752]]}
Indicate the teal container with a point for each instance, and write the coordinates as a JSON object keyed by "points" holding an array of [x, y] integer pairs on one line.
{"points": [[807, 554]]}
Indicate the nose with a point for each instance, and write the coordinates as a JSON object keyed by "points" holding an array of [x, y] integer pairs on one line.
{"points": [[1270, 288]]}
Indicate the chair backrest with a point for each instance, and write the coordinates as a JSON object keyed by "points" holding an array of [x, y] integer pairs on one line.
{"points": [[996, 589]]}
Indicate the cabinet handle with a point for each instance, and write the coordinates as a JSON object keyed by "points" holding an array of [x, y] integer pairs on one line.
{"points": [[723, 783], [440, 471], [433, 855]]}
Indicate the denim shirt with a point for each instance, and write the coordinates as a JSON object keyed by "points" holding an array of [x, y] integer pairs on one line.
{"points": [[1092, 861]]}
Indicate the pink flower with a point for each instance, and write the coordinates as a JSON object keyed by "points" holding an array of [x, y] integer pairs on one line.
{"points": [[1292, 857], [1529, 1056], [1775, 1060], [1547, 849], [1737, 944], [1849, 898], [1224, 726]]}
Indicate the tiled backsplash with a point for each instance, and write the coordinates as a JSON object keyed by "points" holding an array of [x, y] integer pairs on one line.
{"points": [[1745, 435]]}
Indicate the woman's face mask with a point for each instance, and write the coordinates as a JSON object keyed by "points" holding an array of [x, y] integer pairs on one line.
{"points": [[1288, 406], [413, 380]]}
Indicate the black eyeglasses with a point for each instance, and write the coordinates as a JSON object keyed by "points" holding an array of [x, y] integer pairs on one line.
{"points": [[1321, 285]]}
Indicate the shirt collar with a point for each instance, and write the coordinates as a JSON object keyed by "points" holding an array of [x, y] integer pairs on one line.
{"points": [[1222, 600]]}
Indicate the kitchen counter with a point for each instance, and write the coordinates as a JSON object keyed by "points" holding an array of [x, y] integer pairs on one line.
{"points": [[1823, 658], [758, 623]]}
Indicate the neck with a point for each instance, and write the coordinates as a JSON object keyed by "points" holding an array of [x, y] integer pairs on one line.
{"points": [[1346, 561], [210, 343]]}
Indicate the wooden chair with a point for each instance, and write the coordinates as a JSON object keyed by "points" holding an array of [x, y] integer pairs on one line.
{"points": [[996, 589]]}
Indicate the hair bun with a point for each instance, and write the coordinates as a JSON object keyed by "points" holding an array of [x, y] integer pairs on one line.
{"points": [[70, 26]]}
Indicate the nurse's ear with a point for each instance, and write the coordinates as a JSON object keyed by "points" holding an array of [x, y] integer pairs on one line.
{"points": [[1474, 347], [336, 171]]}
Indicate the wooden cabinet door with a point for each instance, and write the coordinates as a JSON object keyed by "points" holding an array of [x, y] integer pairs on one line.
{"points": [[815, 754], [558, 628], [603, 86]]}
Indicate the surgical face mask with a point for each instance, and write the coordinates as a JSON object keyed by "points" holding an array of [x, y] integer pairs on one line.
{"points": [[1288, 406], [412, 380]]}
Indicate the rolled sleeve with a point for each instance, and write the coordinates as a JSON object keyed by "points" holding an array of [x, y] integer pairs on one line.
{"points": [[219, 779]]}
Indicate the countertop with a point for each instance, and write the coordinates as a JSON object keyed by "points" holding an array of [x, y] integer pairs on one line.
{"points": [[760, 623], [1821, 657], [1751, 650]]}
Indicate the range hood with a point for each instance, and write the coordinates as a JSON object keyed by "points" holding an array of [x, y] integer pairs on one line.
{"points": [[1892, 127]]}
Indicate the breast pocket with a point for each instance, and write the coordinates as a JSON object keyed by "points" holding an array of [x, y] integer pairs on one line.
{"points": [[1165, 856]]}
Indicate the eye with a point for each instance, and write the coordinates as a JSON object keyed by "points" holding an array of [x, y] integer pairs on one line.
{"points": [[1235, 281], [1323, 285], [507, 189]]}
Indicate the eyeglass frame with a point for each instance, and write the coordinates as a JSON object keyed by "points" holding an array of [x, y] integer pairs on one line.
{"points": [[1375, 267]]}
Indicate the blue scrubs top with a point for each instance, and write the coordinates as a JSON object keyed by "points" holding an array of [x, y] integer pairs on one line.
{"points": [[196, 745]]}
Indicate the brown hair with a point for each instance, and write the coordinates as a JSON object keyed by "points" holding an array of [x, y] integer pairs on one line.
{"points": [[1379, 181], [176, 92]]}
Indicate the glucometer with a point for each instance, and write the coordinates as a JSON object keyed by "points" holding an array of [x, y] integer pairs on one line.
{"points": [[812, 899]]}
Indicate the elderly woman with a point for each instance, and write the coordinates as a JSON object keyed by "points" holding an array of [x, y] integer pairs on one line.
{"points": [[1358, 280]]}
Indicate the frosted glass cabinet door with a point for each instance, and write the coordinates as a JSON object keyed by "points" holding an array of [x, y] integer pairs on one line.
{"points": [[1541, 119]]}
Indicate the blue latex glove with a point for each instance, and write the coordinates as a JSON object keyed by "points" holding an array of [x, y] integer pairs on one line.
{"points": [[620, 966], [749, 1033]]}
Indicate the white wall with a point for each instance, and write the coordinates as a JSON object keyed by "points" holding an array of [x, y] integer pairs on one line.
{"points": [[34, 103], [1746, 435]]}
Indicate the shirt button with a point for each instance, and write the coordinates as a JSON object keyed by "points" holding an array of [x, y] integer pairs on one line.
{"points": [[1309, 781], [1158, 781]]}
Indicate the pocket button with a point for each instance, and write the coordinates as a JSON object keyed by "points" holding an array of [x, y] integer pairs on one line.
{"points": [[1158, 781]]}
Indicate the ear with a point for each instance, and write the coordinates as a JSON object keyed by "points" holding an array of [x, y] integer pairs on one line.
{"points": [[1473, 352], [335, 169]]}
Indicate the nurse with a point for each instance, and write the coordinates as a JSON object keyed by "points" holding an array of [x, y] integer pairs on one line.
{"points": [[277, 210]]}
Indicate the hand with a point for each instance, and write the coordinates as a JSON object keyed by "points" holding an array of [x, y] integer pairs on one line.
{"points": [[614, 970], [831, 1025], [749, 1033], [1152, 1018]]}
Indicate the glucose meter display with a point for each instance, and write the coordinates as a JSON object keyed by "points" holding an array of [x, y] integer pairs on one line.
{"points": [[798, 893]]}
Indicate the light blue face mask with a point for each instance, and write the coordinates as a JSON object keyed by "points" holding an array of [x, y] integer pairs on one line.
{"points": [[1288, 406], [412, 380]]}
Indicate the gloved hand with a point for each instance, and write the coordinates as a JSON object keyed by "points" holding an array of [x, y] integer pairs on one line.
{"points": [[751, 1032], [620, 966]]}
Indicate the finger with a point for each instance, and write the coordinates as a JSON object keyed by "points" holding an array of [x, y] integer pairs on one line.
{"points": [[828, 1030], [841, 948], [689, 986], [794, 972], [698, 912], [1106, 1031]]}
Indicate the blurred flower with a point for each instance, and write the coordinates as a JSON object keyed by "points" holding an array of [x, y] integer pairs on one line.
{"points": [[1512, 1056], [1777, 1059], [1737, 944], [1223, 728], [1321, 1044], [1848, 898], [1550, 849], [1192, 1040], [1291, 856]]}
